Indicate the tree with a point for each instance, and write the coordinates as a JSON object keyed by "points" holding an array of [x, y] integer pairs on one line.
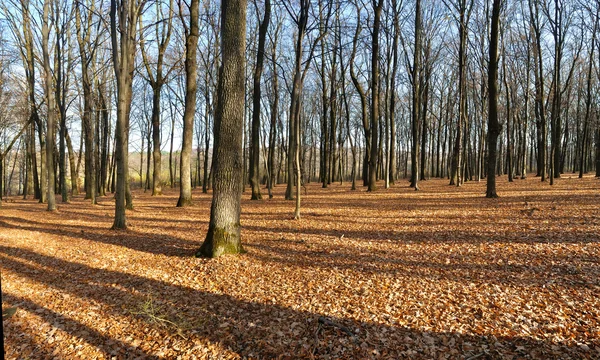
{"points": [[377, 7], [274, 108], [87, 52], [416, 99], [123, 41], [463, 8], [191, 71], [301, 21], [493, 125], [256, 97], [588, 102], [49, 92], [62, 75], [157, 78], [363, 97], [392, 151], [540, 110], [223, 235]]}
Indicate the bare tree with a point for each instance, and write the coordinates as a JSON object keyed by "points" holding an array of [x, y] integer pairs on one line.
{"points": [[377, 7], [463, 8], [191, 70], [163, 27], [493, 125], [47, 21], [416, 99], [362, 94], [256, 98], [124, 17]]}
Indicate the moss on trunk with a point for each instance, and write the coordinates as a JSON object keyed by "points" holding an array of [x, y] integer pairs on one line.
{"points": [[220, 241]]}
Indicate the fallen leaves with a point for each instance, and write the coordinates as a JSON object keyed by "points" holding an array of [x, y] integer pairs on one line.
{"points": [[439, 274]]}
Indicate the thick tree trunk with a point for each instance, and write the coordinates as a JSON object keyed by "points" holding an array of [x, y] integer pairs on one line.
{"points": [[224, 228]]}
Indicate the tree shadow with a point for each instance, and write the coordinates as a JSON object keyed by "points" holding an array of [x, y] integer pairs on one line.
{"points": [[247, 328], [108, 346], [158, 244], [543, 271]]}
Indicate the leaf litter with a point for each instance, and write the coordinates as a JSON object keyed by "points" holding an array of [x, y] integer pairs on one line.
{"points": [[442, 273]]}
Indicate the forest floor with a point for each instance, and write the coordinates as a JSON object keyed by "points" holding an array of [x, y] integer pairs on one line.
{"points": [[443, 273]]}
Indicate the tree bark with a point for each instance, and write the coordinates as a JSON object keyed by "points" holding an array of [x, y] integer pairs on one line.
{"points": [[224, 228], [256, 97], [123, 54], [191, 70], [493, 125], [377, 7], [363, 99], [49, 92], [416, 100]]}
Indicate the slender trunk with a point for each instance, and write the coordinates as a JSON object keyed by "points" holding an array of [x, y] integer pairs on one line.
{"points": [[172, 169], [156, 154], [363, 100], [588, 102], [416, 100], [273, 124], [191, 45], [256, 97], [373, 160], [493, 126], [51, 110]]}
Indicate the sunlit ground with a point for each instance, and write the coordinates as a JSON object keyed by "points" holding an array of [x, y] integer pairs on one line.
{"points": [[440, 273]]}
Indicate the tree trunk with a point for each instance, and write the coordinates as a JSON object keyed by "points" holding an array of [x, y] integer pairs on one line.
{"points": [[49, 92], [224, 228], [274, 114], [416, 100], [377, 7], [191, 45], [493, 126], [123, 54], [156, 154], [457, 158], [256, 97], [363, 100]]}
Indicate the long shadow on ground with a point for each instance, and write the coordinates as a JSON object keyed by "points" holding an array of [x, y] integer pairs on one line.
{"points": [[249, 329]]}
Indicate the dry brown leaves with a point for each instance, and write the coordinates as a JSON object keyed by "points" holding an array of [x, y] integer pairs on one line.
{"points": [[438, 274]]}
